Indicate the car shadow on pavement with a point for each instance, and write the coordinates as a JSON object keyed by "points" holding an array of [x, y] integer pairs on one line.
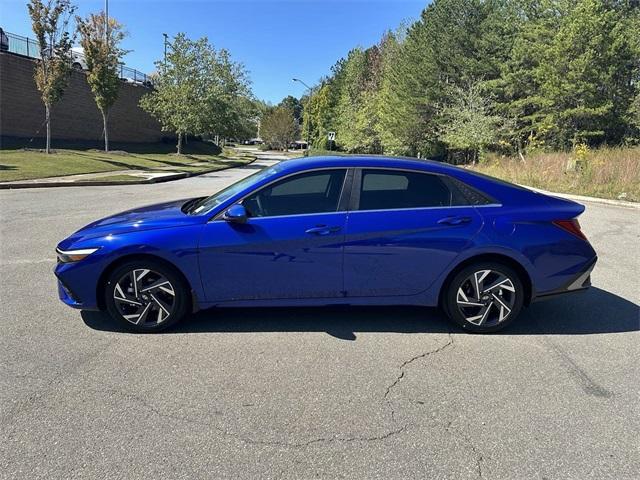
{"points": [[591, 312]]}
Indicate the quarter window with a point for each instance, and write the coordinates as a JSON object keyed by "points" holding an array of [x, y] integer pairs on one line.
{"points": [[463, 194], [387, 189], [313, 192]]}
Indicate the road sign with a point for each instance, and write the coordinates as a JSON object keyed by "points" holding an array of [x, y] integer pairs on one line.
{"points": [[331, 136]]}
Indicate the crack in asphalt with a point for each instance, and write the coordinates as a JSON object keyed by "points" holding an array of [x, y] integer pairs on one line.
{"points": [[242, 438], [406, 363], [249, 440], [278, 443], [479, 458]]}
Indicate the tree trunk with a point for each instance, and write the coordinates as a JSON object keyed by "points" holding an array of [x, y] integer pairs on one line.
{"points": [[179, 144], [47, 110], [106, 132]]}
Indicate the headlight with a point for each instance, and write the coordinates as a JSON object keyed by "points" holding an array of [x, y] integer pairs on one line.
{"points": [[68, 256]]}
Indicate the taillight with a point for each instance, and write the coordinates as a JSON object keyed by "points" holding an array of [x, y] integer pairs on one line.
{"points": [[572, 226]]}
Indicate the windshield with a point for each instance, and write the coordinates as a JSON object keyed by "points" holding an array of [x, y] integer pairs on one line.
{"points": [[208, 203]]}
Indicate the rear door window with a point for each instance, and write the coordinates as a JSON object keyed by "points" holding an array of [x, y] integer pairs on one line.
{"points": [[396, 189]]}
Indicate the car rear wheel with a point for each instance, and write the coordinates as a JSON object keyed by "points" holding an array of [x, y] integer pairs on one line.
{"points": [[146, 296], [485, 297]]}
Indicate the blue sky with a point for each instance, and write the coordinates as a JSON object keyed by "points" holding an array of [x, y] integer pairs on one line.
{"points": [[276, 40]]}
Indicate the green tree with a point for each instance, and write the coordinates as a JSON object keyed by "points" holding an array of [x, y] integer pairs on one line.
{"points": [[468, 123], [178, 94], [518, 89], [103, 55], [588, 76], [247, 115], [321, 114], [50, 23], [454, 42], [293, 104], [355, 114], [350, 100], [556, 71], [199, 91], [227, 103], [279, 127]]}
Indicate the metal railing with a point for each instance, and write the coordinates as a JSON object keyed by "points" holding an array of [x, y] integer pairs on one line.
{"points": [[131, 75], [22, 45], [27, 47]]}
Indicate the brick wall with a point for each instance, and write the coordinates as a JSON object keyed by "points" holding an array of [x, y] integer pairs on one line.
{"points": [[76, 116]]}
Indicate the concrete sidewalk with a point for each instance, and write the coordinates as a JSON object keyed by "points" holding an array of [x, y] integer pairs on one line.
{"points": [[83, 177]]}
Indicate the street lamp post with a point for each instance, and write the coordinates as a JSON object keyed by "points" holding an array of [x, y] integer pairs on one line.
{"points": [[166, 40], [106, 24], [309, 119]]}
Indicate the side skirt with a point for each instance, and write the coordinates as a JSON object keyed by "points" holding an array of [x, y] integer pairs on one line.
{"points": [[313, 302]]}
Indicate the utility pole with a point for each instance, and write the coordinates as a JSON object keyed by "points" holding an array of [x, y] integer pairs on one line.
{"points": [[306, 153]]}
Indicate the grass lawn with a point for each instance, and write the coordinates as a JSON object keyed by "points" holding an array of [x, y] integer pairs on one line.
{"points": [[21, 164]]}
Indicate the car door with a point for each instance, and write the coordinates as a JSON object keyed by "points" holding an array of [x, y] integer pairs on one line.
{"points": [[291, 245], [403, 231]]}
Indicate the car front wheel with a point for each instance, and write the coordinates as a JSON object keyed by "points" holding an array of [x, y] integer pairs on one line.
{"points": [[146, 296], [485, 297]]}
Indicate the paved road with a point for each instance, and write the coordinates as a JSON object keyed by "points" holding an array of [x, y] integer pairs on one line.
{"points": [[310, 393]]}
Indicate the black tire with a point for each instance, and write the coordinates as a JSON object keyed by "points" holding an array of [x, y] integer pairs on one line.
{"points": [[157, 305], [489, 319]]}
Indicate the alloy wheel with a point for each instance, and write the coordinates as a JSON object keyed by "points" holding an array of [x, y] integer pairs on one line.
{"points": [[486, 298], [144, 297]]}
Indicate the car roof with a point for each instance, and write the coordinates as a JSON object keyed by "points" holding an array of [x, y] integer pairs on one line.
{"points": [[504, 192], [306, 163]]}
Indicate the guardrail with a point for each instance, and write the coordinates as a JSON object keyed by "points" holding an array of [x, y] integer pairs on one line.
{"points": [[30, 48]]}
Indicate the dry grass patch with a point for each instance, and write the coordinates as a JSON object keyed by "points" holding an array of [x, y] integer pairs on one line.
{"points": [[607, 173]]}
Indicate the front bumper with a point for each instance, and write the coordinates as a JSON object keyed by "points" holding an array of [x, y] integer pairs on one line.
{"points": [[67, 296], [77, 283]]}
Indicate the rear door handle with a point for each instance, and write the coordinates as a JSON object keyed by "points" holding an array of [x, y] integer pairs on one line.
{"points": [[454, 220], [322, 230]]}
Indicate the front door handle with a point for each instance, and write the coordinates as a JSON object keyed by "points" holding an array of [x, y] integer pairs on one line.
{"points": [[454, 220], [322, 230]]}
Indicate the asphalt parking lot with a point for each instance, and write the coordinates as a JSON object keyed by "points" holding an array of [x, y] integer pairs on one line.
{"points": [[311, 393]]}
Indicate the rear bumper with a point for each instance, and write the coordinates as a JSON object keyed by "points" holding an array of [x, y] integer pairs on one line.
{"points": [[580, 283]]}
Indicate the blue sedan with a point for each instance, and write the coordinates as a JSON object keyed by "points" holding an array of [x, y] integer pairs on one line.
{"points": [[333, 230]]}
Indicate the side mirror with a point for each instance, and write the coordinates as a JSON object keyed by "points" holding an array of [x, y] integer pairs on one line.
{"points": [[236, 214]]}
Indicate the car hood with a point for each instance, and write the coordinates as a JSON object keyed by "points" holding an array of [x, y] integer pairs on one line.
{"points": [[161, 215]]}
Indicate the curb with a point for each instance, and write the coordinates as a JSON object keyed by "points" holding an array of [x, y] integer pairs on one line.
{"points": [[582, 198], [166, 178]]}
